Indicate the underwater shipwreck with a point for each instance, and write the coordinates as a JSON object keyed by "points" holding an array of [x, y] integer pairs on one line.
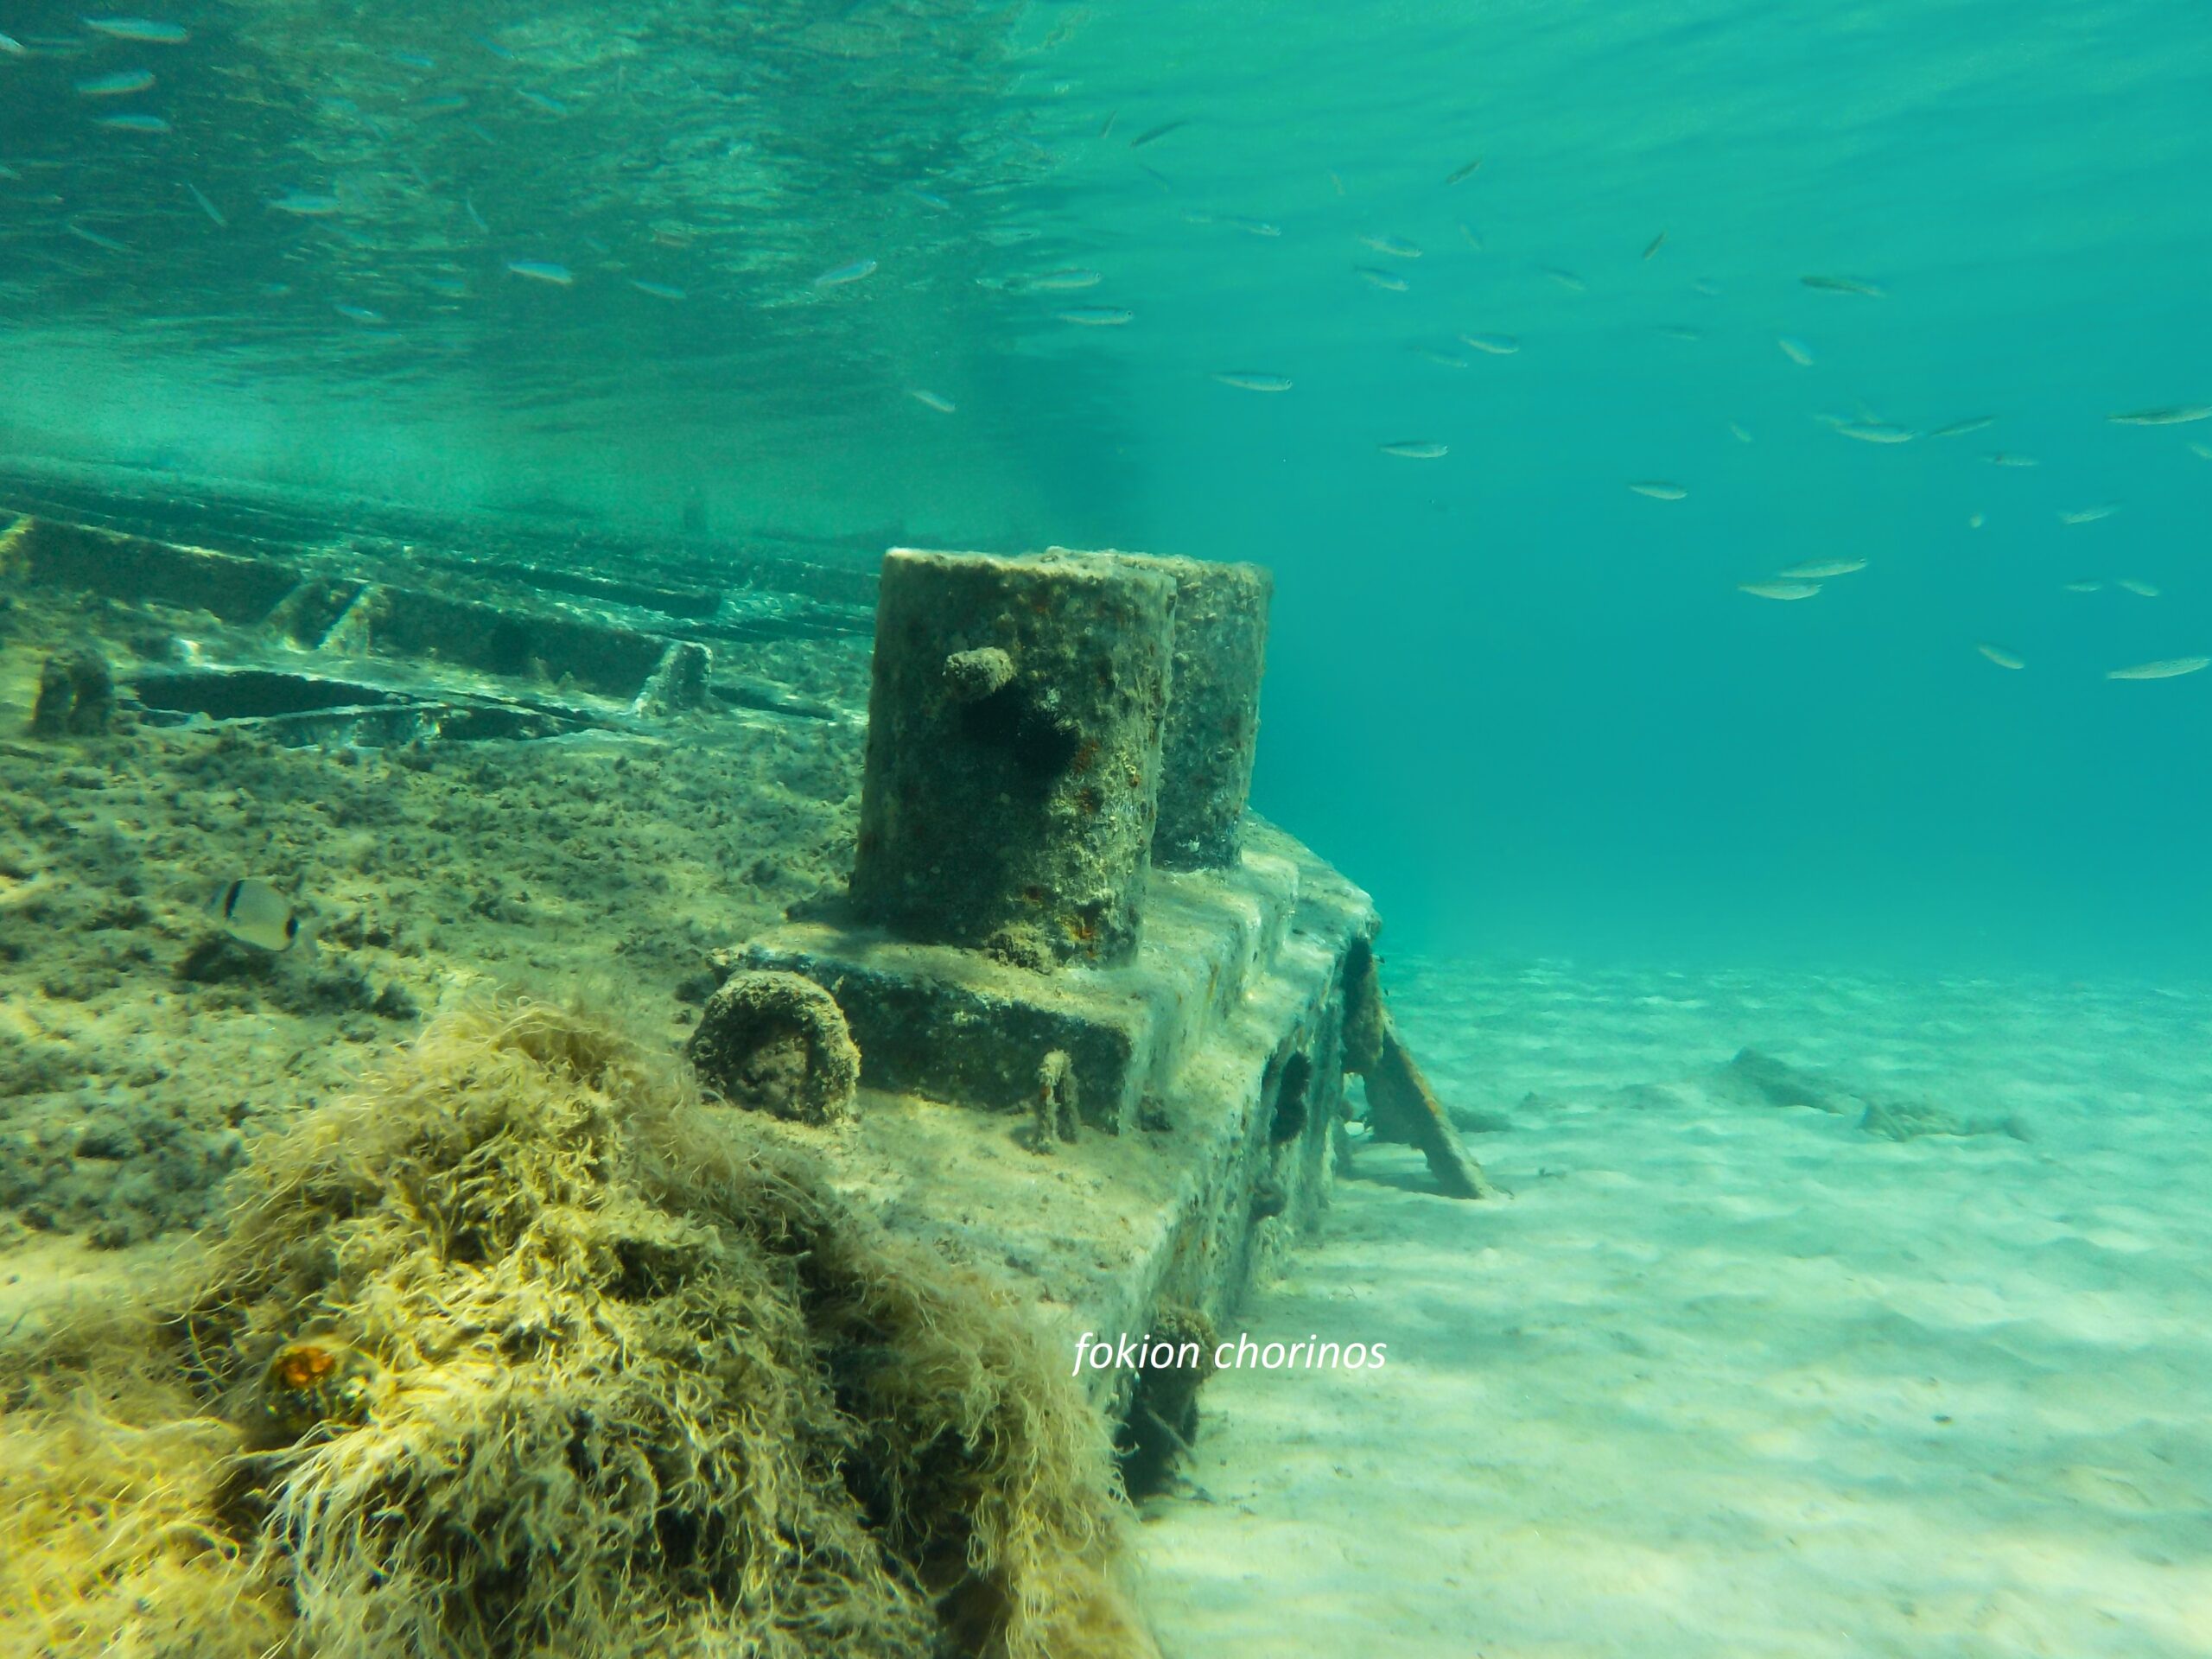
{"points": [[541, 1327]]}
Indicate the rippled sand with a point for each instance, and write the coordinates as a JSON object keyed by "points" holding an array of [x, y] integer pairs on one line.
{"points": [[1727, 1378]]}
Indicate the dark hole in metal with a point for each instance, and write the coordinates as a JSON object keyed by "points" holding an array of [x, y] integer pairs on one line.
{"points": [[251, 693], [1291, 1110]]}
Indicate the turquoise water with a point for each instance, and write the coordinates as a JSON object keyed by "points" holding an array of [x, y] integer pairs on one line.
{"points": [[1529, 706]]}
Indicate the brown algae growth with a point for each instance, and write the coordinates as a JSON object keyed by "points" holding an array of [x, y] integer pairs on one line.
{"points": [[520, 1350]]}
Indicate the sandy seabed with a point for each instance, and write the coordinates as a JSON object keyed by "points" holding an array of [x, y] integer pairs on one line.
{"points": [[1726, 1378]]}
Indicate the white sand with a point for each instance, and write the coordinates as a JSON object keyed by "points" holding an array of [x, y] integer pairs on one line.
{"points": [[1723, 1379]]}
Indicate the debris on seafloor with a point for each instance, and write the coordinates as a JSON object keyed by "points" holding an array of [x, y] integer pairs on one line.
{"points": [[778, 1043], [1760, 1079], [1163, 1415], [76, 695], [520, 1350], [1401, 1105]]}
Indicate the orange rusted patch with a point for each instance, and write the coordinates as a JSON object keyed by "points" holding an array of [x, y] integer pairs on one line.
{"points": [[303, 1365]]}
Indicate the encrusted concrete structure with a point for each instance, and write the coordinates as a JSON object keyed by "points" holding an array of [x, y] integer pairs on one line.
{"points": [[1013, 776], [1184, 1068], [1105, 1018], [1210, 1089], [1213, 706], [377, 645]]}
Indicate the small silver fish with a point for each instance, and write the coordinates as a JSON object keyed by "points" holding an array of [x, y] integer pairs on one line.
{"points": [[1097, 316], [1784, 590], [1391, 245], [2087, 515], [1660, 489], [1652, 247], [122, 83], [1820, 569], [1566, 279], [1957, 428], [1390, 282], [2000, 655], [1875, 432], [250, 909], [2004, 458], [1464, 171], [208, 206], [2178, 415], [1796, 351], [1248, 382], [1843, 285], [542, 270], [931, 400], [1416, 450], [844, 273], [1493, 344], [145, 29], [2169, 669], [2140, 589]]}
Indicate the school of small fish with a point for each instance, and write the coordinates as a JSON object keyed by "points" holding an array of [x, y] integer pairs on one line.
{"points": [[126, 76]]}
